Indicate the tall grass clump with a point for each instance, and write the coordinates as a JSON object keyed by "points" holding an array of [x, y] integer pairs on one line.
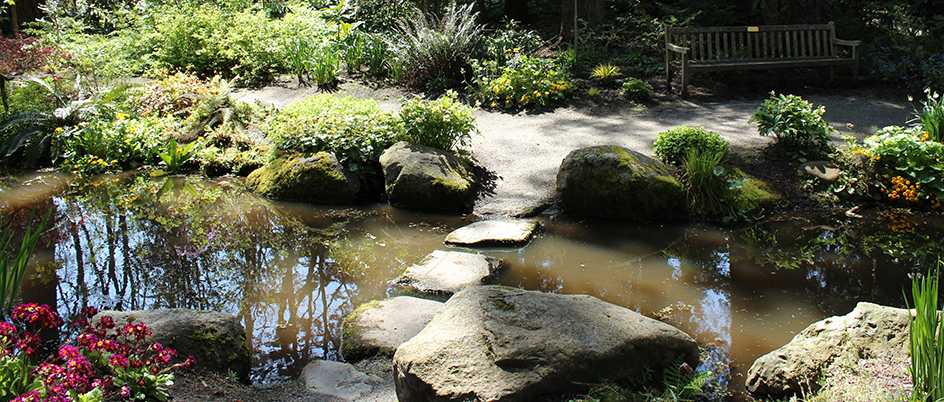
{"points": [[13, 265], [706, 183], [927, 340], [434, 51], [931, 116]]}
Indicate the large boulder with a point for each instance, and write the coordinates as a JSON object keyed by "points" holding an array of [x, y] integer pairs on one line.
{"points": [[495, 343], [317, 178], [380, 326], [615, 182], [447, 272], [869, 331], [417, 176], [216, 340]]}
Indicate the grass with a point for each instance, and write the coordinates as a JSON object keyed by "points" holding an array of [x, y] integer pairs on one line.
{"points": [[927, 346], [13, 266]]}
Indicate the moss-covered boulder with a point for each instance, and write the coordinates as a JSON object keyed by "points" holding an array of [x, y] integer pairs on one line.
{"points": [[417, 176], [756, 196], [318, 178], [217, 341], [615, 182]]}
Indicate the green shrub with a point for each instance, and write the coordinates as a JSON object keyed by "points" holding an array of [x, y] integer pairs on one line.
{"points": [[797, 128], [931, 116], [511, 41], [435, 50], [908, 167], [381, 15], [672, 146], [525, 82], [111, 145], [443, 123], [637, 90], [356, 131]]}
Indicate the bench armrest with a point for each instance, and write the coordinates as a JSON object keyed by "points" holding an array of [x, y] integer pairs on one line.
{"points": [[677, 49], [852, 43]]}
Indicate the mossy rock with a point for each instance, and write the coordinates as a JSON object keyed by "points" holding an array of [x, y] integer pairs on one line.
{"points": [[756, 196], [217, 341], [380, 326], [417, 176], [615, 182], [318, 178]]}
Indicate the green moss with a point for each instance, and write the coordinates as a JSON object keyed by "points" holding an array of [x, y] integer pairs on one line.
{"points": [[299, 178], [211, 347], [755, 196], [502, 305], [353, 346], [620, 187]]}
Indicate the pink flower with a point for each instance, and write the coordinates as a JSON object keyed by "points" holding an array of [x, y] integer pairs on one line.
{"points": [[26, 342], [33, 313], [139, 331], [7, 329], [89, 311], [118, 360], [68, 352], [32, 396], [106, 322]]}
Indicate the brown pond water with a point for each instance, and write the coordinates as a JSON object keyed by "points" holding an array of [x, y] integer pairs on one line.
{"points": [[292, 272]]}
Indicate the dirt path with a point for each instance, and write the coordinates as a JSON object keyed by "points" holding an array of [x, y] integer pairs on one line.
{"points": [[522, 151]]}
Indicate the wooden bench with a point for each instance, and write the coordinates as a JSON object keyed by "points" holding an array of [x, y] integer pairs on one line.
{"points": [[757, 47]]}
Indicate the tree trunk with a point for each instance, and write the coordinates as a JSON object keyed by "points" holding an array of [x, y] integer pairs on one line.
{"points": [[517, 10], [589, 12]]}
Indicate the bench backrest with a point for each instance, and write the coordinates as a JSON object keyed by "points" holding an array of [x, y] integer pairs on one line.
{"points": [[757, 42]]}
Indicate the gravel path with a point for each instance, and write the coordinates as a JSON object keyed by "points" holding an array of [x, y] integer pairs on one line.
{"points": [[522, 151]]}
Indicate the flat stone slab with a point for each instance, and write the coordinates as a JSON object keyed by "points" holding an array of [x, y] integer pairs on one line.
{"points": [[447, 272], [824, 170], [493, 233], [379, 327], [343, 382]]}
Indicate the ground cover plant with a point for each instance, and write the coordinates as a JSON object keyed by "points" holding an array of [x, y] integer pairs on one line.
{"points": [[525, 81], [443, 123], [798, 129]]}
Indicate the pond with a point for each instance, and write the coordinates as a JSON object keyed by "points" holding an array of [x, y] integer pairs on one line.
{"points": [[292, 272]]}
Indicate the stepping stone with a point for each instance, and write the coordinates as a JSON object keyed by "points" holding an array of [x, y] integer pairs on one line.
{"points": [[824, 170], [493, 233], [341, 381], [379, 327], [447, 272]]}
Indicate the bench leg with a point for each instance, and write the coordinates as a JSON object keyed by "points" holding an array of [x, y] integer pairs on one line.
{"points": [[686, 73]]}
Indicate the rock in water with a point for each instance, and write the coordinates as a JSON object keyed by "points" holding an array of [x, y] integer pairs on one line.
{"points": [[319, 178], [615, 182], [493, 233], [447, 272], [868, 331], [495, 343], [379, 327], [417, 176]]}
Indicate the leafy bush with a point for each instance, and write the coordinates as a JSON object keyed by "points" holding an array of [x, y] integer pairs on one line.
{"points": [[435, 50], [605, 73], [892, 64], [525, 82], [103, 145], [672, 146], [797, 128], [637, 90], [356, 131], [443, 123], [381, 15], [931, 116], [511, 41], [932, 69], [908, 167]]}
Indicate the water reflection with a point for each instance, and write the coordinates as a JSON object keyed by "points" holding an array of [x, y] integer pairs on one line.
{"points": [[293, 272]]}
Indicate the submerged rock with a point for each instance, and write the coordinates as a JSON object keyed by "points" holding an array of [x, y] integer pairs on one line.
{"points": [[615, 182], [379, 327], [447, 272], [318, 178], [870, 330], [493, 233], [495, 343], [416, 176], [343, 382], [216, 340]]}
